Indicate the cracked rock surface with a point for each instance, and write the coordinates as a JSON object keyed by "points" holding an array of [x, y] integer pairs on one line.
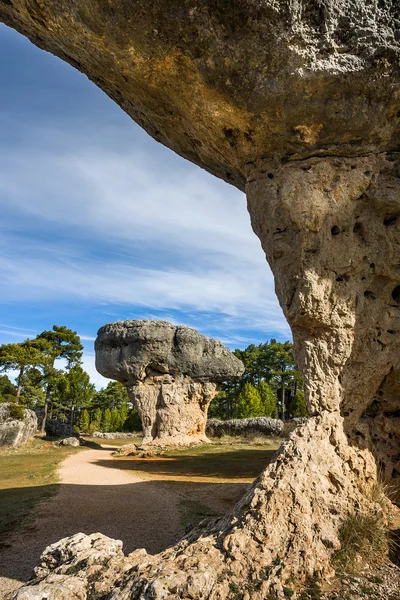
{"points": [[14, 430]]}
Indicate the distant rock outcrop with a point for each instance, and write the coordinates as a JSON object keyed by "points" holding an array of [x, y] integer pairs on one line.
{"points": [[17, 424], [171, 373], [261, 425]]}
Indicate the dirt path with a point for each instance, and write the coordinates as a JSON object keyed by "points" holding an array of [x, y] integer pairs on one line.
{"points": [[94, 497]]}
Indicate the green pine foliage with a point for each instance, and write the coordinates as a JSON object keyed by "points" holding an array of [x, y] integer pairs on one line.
{"points": [[268, 400], [84, 421], [270, 368], [249, 403], [298, 406], [133, 422], [106, 420]]}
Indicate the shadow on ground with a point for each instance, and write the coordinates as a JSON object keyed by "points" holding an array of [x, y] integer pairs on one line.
{"points": [[236, 464], [151, 515]]}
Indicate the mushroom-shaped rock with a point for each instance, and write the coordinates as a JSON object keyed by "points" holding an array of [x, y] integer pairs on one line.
{"points": [[298, 103], [171, 373]]}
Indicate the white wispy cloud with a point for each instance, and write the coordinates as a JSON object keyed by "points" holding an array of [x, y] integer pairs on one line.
{"points": [[173, 238]]}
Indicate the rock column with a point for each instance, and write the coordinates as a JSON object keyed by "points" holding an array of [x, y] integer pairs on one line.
{"points": [[330, 228], [171, 374]]}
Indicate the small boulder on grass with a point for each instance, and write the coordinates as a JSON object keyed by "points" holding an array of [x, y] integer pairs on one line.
{"points": [[126, 450], [70, 441], [139, 451]]}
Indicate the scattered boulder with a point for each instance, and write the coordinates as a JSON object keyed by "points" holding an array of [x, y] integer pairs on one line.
{"points": [[126, 450], [59, 429], [70, 441], [115, 435], [17, 424], [171, 373], [147, 451], [261, 425]]}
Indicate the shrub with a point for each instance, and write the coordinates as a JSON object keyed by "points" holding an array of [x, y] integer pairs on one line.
{"points": [[365, 536], [16, 411], [298, 406]]}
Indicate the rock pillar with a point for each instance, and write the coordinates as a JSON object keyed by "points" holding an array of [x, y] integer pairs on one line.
{"points": [[330, 228], [171, 373]]}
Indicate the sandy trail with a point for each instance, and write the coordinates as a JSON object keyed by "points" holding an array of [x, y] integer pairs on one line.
{"points": [[94, 497]]}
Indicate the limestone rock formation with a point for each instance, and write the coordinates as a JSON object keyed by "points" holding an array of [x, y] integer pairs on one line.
{"points": [[171, 373], [298, 103], [17, 424], [261, 425], [68, 441]]}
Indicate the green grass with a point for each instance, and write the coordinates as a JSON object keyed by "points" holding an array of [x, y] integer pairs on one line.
{"points": [[27, 476]]}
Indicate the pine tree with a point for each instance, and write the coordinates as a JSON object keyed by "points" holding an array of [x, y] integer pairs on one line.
{"points": [[106, 421], [298, 406], [84, 421], [123, 415], [133, 422], [268, 399], [249, 403], [115, 419], [95, 421]]}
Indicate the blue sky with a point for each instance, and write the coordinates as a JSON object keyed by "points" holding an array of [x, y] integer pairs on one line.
{"points": [[100, 223]]}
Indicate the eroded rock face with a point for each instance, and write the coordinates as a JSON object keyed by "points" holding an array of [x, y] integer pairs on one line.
{"points": [[16, 428], [298, 102], [260, 425], [171, 374], [225, 82], [331, 230]]}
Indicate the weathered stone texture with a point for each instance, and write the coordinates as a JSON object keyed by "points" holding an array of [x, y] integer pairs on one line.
{"points": [[298, 101], [171, 373], [261, 425], [331, 230], [14, 430], [225, 82]]}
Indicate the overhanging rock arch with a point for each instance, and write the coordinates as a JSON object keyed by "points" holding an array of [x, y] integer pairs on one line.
{"points": [[298, 103]]}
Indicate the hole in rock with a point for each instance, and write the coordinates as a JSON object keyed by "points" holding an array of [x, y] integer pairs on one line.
{"points": [[335, 230], [369, 294], [358, 229], [228, 132], [390, 220], [396, 294], [270, 176], [342, 278]]}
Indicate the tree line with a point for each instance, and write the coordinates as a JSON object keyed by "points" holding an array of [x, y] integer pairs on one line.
{"points": [[66, 393], [271, 385]]}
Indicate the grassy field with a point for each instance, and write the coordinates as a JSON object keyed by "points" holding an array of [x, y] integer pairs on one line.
{"points": [[27, 476]]}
